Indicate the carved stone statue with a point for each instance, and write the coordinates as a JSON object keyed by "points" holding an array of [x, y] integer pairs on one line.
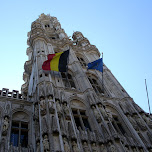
{"points": [[85, 147], [66, 145], [36, 110], [96, 113], [58, 106], [66, 110], [51, 105], [38, 147], [5, 125], [103, 148], [112, 148], [147, 120], [94, 147], [103, 112], [75, 147], [42, 106], [46, 143]]}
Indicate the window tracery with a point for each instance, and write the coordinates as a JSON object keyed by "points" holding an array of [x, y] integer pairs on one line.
{"points": [[68, 80]]}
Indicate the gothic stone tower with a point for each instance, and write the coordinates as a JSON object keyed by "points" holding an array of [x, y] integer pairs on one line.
{"points": [[73, 112]]}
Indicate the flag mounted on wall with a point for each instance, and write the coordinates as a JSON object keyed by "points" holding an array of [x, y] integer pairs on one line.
{"points": [[56, 62], [97, 64]]}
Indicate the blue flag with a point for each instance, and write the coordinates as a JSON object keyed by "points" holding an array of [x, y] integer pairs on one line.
{"points": [[98, 65]]}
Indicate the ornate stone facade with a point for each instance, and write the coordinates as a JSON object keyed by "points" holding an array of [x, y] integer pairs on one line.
{"points": [[73, 112]]}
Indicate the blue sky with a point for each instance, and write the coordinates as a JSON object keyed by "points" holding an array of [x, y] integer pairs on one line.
{"points": [[121, 29]]}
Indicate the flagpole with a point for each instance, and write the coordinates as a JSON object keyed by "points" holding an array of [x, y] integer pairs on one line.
{"points": [[147, 97], [102, 73]]}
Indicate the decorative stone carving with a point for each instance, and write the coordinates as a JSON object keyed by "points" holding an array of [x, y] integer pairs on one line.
{"points": [[149, 134], [66, 145], [71, 131], [103, 148], [42, 106], [85, 147], [113, 131], [38, 146], [123, 107], [51, 105], [133, 122], [137, 108], [140, 122], [127, 149], [36, 110], [94, 148], [66, 111], [112, 148], [46, 143], [92, 136], [75, 147], [147, 120], [96, 113], [110, 117], [83, 134], [105, 132], [49, 91], [5, 125], [103, 112], [59, 109], [99, 137]]}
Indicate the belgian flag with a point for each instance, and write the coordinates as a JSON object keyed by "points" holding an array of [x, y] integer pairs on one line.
{"points": [[56, 62]]}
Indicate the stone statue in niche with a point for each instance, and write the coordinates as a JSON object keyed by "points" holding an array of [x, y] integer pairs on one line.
{"points": [[147, 120], [36, 110], [103, 112], [37, 129], [51, 105], [112, 148], [96, 113], [75, 147], [38, 146], [59, 109], [140, 122], [46, 143], [94, 147], [66, 110], [110, 117], [103, 148], [42, 106], [85, 147], [66, 145], [5, 125]]}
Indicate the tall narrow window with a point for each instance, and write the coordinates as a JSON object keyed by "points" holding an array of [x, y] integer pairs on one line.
{"points": [[19, 134], [95, 85], [82, 62], [81, 120], [67, 80]]}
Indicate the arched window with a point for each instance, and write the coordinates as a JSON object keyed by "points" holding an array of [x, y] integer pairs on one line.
{"points": [[68, 80], [95, 85], [19, 129], [79, 115], [82, 62]]}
